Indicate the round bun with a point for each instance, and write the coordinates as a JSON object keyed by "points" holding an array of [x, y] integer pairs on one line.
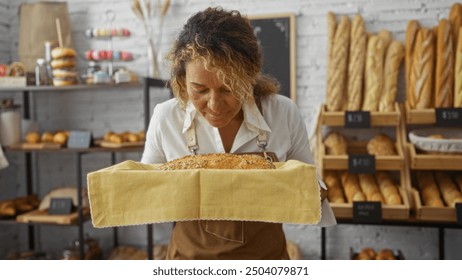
{"points": [[62, 63], [61, 82], [32, 137], [62, 52], [62, 73], [47, 137]]}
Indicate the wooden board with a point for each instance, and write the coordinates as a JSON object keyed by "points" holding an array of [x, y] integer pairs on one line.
{"points": [[425, 161], [106, 144], [41, 216], [377, 118], [426, 213], [36, 146]]}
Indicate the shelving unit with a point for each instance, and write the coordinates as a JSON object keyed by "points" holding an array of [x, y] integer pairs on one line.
{"points": [[146, 86]]}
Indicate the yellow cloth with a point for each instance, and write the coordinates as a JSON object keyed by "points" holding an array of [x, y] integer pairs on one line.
{"points": [[133, 193]]}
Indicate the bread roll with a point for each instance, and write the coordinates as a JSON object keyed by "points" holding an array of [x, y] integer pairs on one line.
{"points": [[335, 192], [421, 77], [356, 64], [335, 144], [393, 59], [385, 254], [336, 83], [429, 191], [351, 187], [381, 145], [411, 35], [448, 189], [458, 73], [455, 18], [373, 73], [370, 188], [388, 188], [444, 76], [218, 161]]}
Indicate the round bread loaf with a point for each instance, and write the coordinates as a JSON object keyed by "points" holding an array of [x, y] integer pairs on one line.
{"points": [[218, 161]]}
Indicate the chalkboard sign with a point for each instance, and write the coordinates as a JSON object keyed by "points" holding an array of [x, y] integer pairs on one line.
{"points": [[276, 35]]}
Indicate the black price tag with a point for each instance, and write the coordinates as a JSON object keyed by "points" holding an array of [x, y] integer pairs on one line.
{"points": [[367, 212], [60, 206], [79, 139], [449, 116], [361, 164], [459, 213], [357, 119]]}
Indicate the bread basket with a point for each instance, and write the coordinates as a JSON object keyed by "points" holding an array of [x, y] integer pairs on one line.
{"points": [[426, 139]]}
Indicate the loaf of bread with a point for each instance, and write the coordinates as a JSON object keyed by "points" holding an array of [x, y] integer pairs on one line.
{"points": [[370, 188], [385, 254], [444, 75], [356, 63], [388, 188], [421, 76], [458, 73], [218, 161], [381, 145], [411, 34], [373, 73], [351, 187], [335, 192], [458, 178], [337, 80], [335, 144], [455, 18], [386, 37], [449, 191], [393, 59], [429, 191]]}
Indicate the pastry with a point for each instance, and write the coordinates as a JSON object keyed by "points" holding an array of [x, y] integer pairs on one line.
{"points": [[444, 75], [411, 35], [393, 59], [385, 254], [47, 137], [335, 144], [334, 187], [33, 137], [373, 73], [218, 161], [356, 64], [60, 138], [336, 83], [381, 145]]}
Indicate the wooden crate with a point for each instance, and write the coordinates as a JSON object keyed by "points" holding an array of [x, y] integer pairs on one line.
{"points": [[377, 118], [426, 213], [42, 216], [419, 116], [426, 161], [389, 212]]}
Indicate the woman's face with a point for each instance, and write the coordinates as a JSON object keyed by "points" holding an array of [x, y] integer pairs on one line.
{"points": [[214, 101]]}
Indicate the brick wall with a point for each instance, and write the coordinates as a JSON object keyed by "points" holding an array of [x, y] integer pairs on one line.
{"points": [[122, 109]]}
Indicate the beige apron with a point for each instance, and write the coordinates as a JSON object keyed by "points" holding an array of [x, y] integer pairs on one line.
{"points": [[227, 240]]}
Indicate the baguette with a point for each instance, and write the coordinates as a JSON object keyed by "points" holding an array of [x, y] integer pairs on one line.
{"points": [[429, 191], [386, 37], [335, 192], [444, 80], [448, 189], [411, 34], [421, 77], [455, 18], [370, 188], [336, 84], [335, 143], [373, 73], [393, 59], [458, 73], [331, 27], [356, 64], [388, 188], [459, 181], [351, 187]]}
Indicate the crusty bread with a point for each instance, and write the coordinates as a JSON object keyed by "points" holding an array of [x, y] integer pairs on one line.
{"points": [[393, 59], [421, 77], [370, 188], [458, 73], [335, 143], [444, 75], [388, 188], [411, 35], [336, 83], [381, 145], [335, 192], [449, 191], [351, 187], [356, 63], [373, 73], [455, 18], [429, 191], [386, 37], [218, 161]]}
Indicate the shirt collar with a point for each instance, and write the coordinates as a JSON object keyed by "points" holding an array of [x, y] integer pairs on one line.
{"points": [[253, 118]]}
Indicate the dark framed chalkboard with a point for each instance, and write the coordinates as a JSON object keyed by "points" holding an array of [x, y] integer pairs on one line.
{"points": [[276, 35]]}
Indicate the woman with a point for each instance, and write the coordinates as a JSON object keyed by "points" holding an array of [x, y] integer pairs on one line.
{"points": [[224, 104]]}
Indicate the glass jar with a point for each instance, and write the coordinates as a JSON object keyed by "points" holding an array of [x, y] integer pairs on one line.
{"points": [[41, 73]]}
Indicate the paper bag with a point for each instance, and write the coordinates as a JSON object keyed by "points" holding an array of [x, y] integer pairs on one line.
{"points": [[37, 25]]}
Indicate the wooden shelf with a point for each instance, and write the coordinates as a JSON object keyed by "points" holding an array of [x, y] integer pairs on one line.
{"points": [[377, 118], [70, 88], [419, 116], [419, 160]]}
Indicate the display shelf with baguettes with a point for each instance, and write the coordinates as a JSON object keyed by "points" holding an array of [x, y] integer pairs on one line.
{"points": [[429, 213], [376, 118]]}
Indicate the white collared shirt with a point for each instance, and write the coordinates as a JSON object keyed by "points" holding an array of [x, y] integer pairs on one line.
{"points": [[281, 120]]}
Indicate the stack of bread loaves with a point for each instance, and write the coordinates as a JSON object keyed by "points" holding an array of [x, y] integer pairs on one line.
{"points": [[362, 70], [63, 64]]}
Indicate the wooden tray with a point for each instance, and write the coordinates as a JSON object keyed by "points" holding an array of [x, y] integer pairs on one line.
{"points": [[106, 144], [36, 146], [42, 216], [419, 116], [377, 118], [426, 161], [426, 213]]}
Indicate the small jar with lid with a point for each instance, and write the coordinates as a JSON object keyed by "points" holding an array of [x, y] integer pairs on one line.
{"points": [[41, 73]]}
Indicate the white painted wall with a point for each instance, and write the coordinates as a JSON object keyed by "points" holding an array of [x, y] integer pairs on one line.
{"points": [[122, 109]]}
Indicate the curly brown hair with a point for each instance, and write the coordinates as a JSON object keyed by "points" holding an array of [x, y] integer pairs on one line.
{"points": [[225, 42]]}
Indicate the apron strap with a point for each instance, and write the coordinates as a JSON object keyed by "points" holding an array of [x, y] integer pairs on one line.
{"points": [[191, 138]]}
